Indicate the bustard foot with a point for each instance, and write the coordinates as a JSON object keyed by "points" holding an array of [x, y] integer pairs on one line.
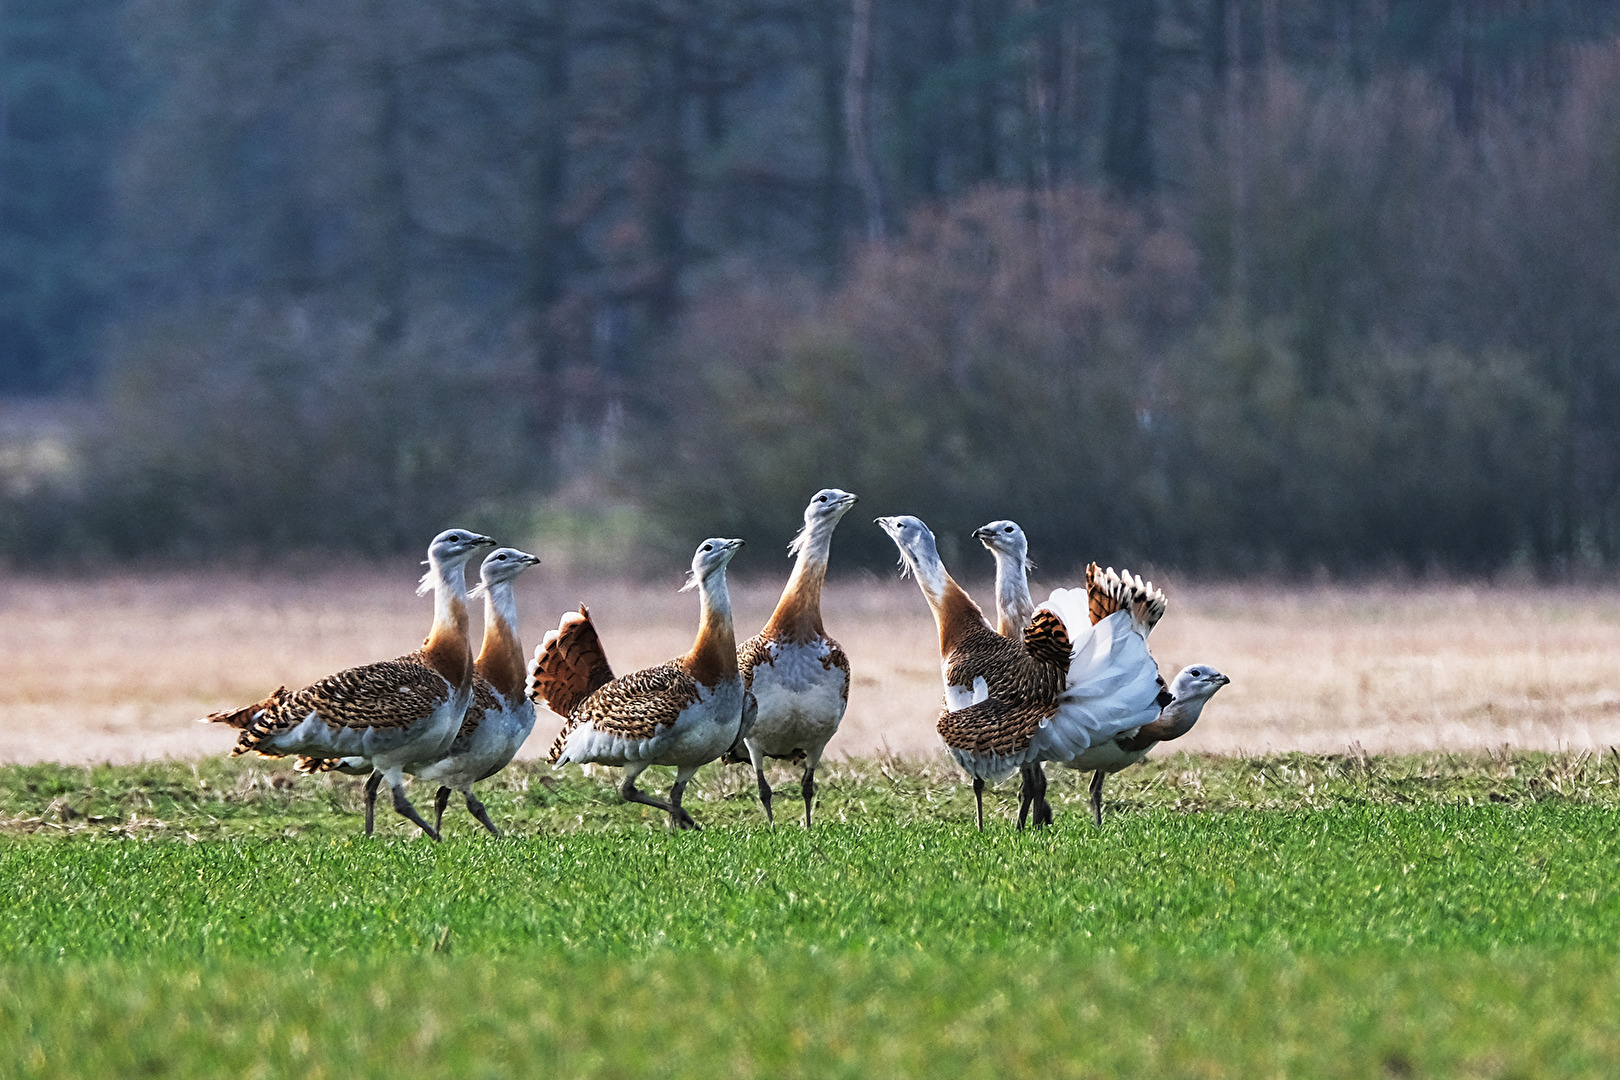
{"points": [[478, 811], [978, 801], [1097, 779], [440, 800], [403, 806]]}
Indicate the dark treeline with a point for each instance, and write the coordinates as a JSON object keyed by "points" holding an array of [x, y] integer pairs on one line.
{"points": [[1226, 283]]}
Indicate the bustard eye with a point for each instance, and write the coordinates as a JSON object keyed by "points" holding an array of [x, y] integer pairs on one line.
{"points": [[500, 558], [1007, 529], [708, 547], [821, 498]]}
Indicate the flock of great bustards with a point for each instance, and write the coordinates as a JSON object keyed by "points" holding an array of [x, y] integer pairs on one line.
{"points": [[1069, 681]]}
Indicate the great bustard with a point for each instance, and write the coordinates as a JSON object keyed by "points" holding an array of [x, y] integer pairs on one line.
{"points": [[797, 673], [500, 716], [1012, 705], [685, 713], [390, 713], [1106, 592]]}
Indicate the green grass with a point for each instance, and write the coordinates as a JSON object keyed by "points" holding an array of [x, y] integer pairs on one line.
{"points": [[1439, 915]]}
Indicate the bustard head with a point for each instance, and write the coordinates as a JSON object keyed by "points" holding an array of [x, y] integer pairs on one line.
{"points": [[500, 565], [1004, 538], [449, 552], [710, 558], [919, 554], [1197, 683], [825, 509]]}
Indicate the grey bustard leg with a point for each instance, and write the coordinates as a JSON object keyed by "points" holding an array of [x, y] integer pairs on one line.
{"points": [[478, 811], [441, 799], [678, 813], [630, 793], [403, 806], [1024, 796], [1097, 779], [808, 789], [765, 795], [978, 800], [1043, 809], [372, 783]]}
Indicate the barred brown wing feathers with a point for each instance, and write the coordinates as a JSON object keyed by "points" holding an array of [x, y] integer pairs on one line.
{"points": [[635, 706], [1046, 640], [243, 717], [389, 694], [993, 727], [1009, 670], [750, 654], [313, 765], [1108, 592], [1100, 602], [569, 665]]}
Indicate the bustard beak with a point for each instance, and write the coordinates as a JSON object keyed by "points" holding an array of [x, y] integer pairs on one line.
{"points": [[983, 532]]}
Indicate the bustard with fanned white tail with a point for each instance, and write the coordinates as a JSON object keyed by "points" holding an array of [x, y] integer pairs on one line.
{"points": [[684, 714], [798, 674], [1106, 592], [390, 713], [1014, 705]]}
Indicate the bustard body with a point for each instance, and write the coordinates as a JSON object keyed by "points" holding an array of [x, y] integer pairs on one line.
{"points": [[685, 713], [798, 674]]}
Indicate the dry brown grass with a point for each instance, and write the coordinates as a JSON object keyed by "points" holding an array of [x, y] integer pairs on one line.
{"points": [[117, 668]]}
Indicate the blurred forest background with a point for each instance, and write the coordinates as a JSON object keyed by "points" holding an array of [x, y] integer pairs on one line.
{"points": [[1234, 285]]}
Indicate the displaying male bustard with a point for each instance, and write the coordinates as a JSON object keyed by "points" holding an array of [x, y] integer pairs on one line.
{"points": [[391, 713], [798, 674], [1012, 705], [685, 713], [1183, 700], [500, 716]]}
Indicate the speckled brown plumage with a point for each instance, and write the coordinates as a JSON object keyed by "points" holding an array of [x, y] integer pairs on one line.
{"points": [[752, 653], [1008, 668], [389, 694], [993, 728], [569, 666], [635, 706], [1108, 592]]}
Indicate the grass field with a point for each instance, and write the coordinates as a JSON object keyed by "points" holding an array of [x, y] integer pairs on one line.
{"points": [[1438, 915]]}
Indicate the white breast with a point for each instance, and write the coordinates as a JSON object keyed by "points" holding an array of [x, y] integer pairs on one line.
{"points": [[801, 700]]}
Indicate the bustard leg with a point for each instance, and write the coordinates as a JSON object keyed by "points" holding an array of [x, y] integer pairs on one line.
{"points": [[765, 795], [440, 801], [478, 811], [1026, 794], [630, 793], [372, 783], [403, 806], [758, 760], [1097, 779], [1043, 809], [978, 800], [678, 815], [808, 788]]}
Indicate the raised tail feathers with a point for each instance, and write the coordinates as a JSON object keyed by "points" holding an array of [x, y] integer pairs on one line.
{"points": [[1108, 592], [569, 664], [243, 718]]}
